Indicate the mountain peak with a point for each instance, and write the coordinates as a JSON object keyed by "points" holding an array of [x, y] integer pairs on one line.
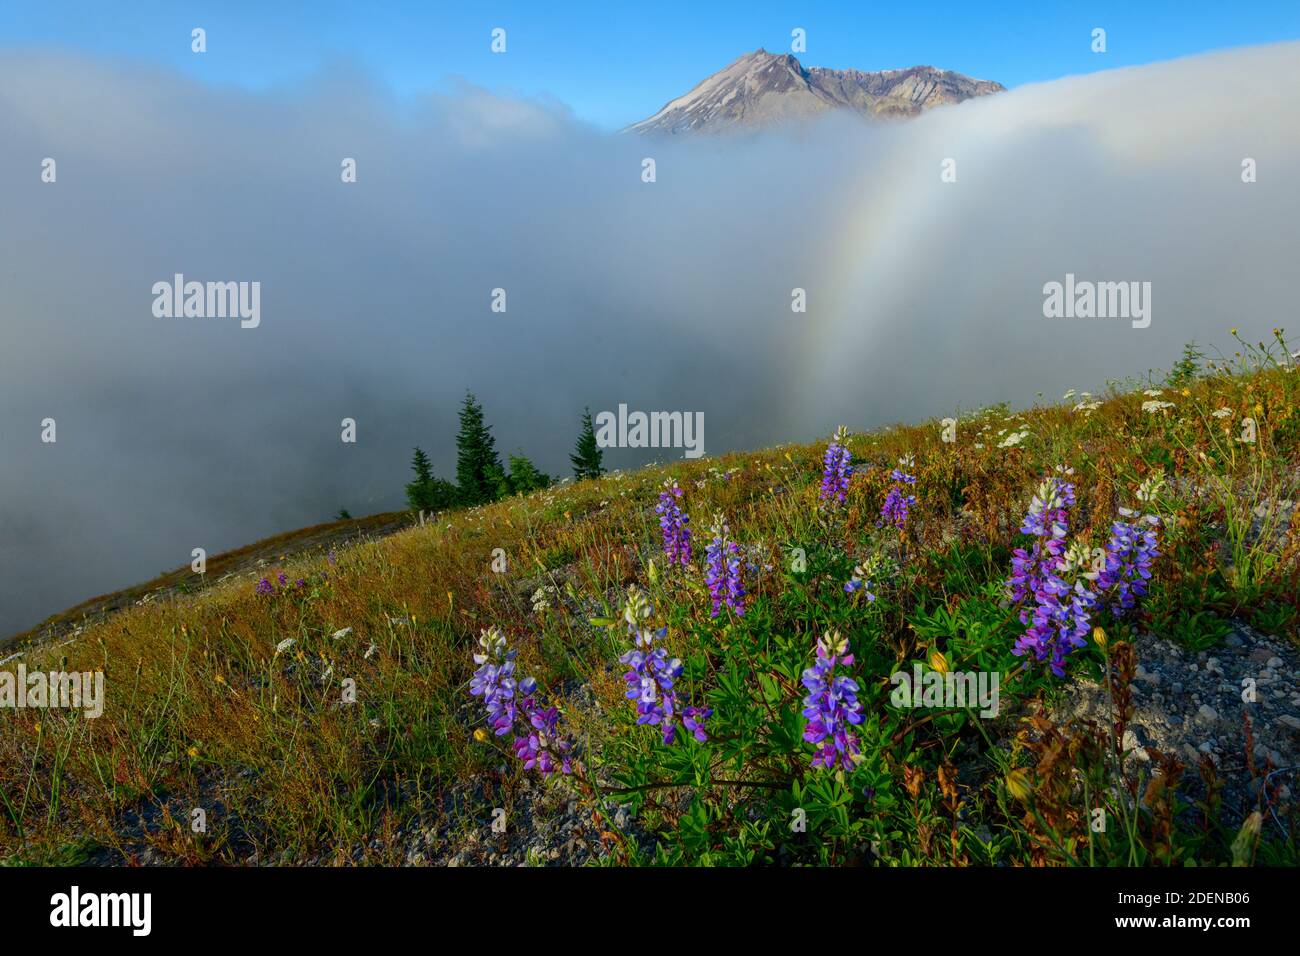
{"points": [[762, 89]]}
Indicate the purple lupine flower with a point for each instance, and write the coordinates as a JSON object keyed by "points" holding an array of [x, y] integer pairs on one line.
{"points": [[264, 586], [652, 676], [859, 582], [330, 557], [837, 468], [1057, 579], [512, 705], [693, 719], [494, 681], [1052, 578], [675, 525], [877, 566], [832, 706], [283, 579], [540, 743], [722, 573], [1127, 562], [1048, 513], [1059, 588], [897, 502]]}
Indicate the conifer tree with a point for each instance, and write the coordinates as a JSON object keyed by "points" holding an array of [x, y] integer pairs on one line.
{"points": [[478, 468], [427, 492], [587, 457], [418, 489], [525, 476]]}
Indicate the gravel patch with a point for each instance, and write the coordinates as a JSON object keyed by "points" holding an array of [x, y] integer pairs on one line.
{"points": [[1204, 704]]}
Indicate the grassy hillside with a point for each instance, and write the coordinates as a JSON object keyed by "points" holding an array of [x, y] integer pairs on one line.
{"points": [[220, 568], [332, 720]]}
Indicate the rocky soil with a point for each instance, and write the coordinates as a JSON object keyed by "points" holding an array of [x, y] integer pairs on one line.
{"points": [[1238, 704]]}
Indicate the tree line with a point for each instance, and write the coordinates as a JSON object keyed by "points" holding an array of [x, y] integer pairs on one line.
{"points": [[481, 477]]}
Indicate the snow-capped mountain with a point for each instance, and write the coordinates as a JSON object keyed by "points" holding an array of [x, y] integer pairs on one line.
{"points": [[760, 89]]}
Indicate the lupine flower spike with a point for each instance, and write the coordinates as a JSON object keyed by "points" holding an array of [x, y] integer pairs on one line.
{"points": [[897, 504], [675, 524], [832, 706], [512, 705], [494, 681], [652, 676], [837, 468], [540, 743], [1058, 622], [722, 572], [1060, 587], [862, 575]]}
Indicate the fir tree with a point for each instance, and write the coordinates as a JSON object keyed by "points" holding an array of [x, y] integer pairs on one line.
{"points": [[1187, 368], [440, 495], [419, 487], [587, 457], [478, 469], [427, 492], [525, 476]]}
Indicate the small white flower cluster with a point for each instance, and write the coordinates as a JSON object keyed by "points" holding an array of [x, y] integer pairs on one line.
{"points": [[542, 598], [1086, 404]]}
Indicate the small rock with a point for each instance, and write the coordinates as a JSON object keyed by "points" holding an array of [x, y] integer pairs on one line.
{"points": [[1207, 714]]}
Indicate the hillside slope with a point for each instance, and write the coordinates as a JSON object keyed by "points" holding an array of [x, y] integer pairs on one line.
{"points": [[221, 568], [340, 718]]}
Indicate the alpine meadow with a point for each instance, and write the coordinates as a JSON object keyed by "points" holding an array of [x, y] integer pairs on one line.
{"points": [[779, 437]]}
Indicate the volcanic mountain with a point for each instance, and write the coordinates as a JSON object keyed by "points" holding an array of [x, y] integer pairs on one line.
{"points": [[762, 89]]}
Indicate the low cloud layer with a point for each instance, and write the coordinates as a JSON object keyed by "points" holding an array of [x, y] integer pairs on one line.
{"points": [[375, 296]]}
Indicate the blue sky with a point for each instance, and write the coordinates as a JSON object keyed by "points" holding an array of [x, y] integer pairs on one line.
{"points": [[615, 62]]}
